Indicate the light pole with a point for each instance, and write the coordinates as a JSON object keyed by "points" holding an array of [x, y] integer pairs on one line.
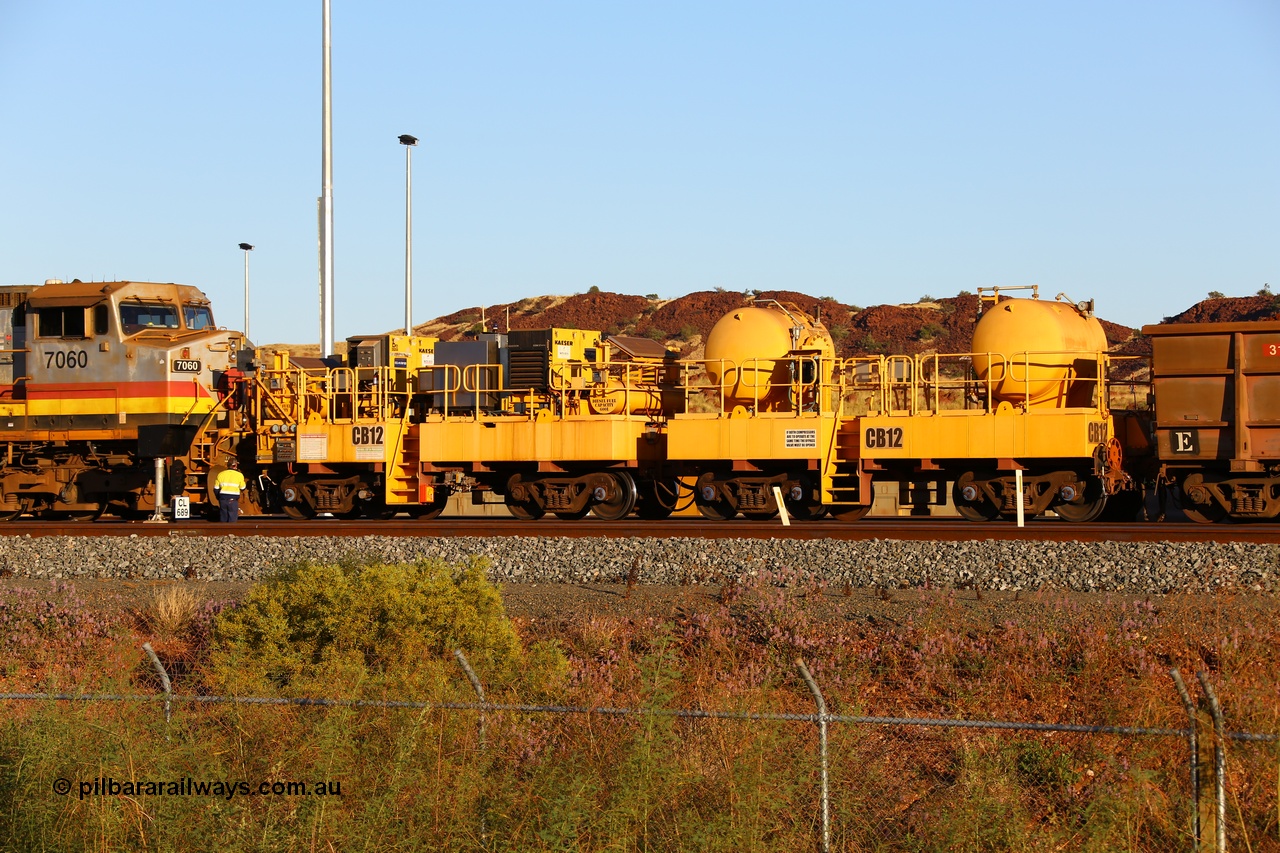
{"points": [[247, 249], [326, 198], [408, 142]]}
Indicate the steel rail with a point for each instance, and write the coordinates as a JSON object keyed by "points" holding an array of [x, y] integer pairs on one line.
{"points": [[907, 529]]}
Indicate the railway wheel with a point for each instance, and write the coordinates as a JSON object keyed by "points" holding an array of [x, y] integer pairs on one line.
{"points": [[526, 510], [1124, 506], [657, 499], [1198, 503], [760, 516], [619, 500], [712, 501], [1210, 514], [1089, 507], [850, 513], [299, 511], [971, 501], [806, 510], [9, 513]]}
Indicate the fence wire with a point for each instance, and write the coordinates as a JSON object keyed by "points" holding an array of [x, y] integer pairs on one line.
{"points": [[1206, 770]]}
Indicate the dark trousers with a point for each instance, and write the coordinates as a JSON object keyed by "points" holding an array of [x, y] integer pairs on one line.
{"points": [[228, 508]]}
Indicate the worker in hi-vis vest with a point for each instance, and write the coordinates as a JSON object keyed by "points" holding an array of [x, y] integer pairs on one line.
{"points": [[228, 486]]}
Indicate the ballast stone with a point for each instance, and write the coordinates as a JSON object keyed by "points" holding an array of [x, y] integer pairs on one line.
{"points": [[1158, 568]]}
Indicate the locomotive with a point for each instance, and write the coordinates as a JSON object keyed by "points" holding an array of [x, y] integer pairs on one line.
{"points": [[98, 381]]}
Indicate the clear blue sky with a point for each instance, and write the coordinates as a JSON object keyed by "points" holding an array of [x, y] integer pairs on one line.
{"points": [[1125, 150]]}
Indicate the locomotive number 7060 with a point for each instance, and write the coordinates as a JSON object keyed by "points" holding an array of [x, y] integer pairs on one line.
{"points": [[64, 359]]}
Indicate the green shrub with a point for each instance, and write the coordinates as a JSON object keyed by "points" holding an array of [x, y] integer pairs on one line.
{"points": [[929, 331], [317, 628]]}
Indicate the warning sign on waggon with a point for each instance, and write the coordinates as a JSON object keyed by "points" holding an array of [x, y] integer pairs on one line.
{"points": [[797, 439]]}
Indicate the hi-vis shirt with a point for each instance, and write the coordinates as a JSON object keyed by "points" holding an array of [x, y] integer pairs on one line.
{"points": [[229, 483]]}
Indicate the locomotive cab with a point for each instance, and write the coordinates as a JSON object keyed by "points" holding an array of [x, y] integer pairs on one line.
{"points": [[117, 356]]}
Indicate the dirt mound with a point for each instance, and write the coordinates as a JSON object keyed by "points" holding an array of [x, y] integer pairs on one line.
{"points": [[931, 325], [1230, 309], [943, 325], [1215, 309]]}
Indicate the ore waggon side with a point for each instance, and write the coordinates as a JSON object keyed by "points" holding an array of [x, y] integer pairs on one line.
{"points": [[1217, 407]]}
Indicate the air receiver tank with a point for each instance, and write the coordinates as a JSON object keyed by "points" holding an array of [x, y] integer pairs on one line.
{"points": [[1041, 353], [747, 354]]}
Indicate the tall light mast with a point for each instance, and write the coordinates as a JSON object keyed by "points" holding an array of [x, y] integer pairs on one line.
{"points": [[408, 142], [326, 204]]}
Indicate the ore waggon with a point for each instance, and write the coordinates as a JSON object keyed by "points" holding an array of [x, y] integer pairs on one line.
{"points": [[1217, 416]]}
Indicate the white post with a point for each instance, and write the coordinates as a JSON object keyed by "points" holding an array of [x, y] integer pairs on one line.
{"points": [[782, 506], [1017, 478]]}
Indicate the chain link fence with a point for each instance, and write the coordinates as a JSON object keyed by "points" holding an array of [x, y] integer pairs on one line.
{"points": [[862, 797]]}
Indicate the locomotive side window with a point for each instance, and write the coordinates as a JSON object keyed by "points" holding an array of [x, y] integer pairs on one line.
{"points": [[198, 316], [137, 317], [61, 322], [100, 313]]}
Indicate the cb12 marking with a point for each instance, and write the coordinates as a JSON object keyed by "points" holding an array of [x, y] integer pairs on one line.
{"points": [[1097, 432], [366, 435], [883, 437]]}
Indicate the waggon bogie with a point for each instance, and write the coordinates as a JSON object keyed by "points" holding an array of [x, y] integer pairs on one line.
{"points": [[607, 494]]}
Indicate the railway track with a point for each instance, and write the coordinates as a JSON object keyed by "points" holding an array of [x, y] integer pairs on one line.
{"points": [[911, 529]]}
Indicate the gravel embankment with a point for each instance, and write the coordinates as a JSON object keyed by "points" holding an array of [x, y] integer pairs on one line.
{"points": [[1163, 567]]}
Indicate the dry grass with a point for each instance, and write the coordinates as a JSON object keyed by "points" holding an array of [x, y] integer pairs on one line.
{"points": [[171, 612], [545, 782]]}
